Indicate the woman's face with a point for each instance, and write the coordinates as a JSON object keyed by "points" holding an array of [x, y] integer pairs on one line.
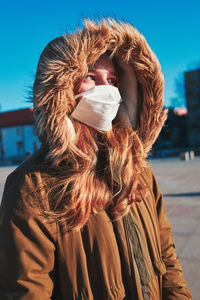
{"points": [[102, 73]]}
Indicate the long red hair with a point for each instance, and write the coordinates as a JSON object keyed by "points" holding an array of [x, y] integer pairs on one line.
{"points": [[101, 173]]}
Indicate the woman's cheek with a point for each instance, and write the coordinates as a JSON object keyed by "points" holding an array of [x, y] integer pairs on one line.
{"points": [[85, 86]]}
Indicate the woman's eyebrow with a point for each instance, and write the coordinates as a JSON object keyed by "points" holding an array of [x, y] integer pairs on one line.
{"points": [[90, 69]]}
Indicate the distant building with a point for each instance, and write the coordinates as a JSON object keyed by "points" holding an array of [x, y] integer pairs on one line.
{"points": [[173, 134], [192, 91], [17, 135]]}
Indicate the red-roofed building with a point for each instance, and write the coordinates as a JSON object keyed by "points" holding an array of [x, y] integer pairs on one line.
{"points": [[17, 117], [17, 135]]}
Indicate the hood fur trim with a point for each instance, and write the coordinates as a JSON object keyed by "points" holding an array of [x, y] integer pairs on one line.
{"points": [[65, 60]]}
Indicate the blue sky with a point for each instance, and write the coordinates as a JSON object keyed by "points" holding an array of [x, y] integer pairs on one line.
{"points": [[172, 28]]}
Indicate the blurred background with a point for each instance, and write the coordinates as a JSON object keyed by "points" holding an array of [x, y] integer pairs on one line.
{"points": [[172, 28]]}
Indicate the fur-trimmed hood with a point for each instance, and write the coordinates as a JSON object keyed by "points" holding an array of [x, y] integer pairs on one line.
{"points": [[65, 60]]}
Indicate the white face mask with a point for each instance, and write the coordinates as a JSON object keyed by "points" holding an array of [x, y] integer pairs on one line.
{"points": [[98, 107]]}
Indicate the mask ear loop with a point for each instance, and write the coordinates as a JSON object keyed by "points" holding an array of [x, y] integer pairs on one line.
{"points": [[69, 122], [78, 95], [71, 128]]}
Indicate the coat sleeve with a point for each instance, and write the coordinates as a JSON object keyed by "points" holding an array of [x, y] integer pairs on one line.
{"points": [[173, 283], [27, 245]]}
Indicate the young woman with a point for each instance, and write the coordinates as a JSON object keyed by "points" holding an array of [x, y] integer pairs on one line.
{"points": [[83, 218]]}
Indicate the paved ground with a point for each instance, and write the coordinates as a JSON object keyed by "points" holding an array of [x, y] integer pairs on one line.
{"points": [[4, 171], [180, 183]]}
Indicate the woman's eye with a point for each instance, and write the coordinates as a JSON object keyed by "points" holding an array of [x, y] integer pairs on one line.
{"points": [[112, 80], [89, 77]]}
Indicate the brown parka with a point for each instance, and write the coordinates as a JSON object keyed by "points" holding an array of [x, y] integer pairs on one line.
{"points": [[42, 260], [38, 260]]}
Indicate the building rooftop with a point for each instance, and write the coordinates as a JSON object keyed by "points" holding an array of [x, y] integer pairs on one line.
{"points": [[17, 117]]}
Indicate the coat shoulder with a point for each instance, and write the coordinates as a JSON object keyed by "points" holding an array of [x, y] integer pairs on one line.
{"points": [[147, 175], [25, 182]]}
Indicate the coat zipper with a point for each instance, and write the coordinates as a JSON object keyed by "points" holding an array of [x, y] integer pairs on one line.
{"points": [[128, 244], [130, 255]]}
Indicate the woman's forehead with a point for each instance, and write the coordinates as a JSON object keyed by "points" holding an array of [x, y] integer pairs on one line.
{"points": [[104, 62]]}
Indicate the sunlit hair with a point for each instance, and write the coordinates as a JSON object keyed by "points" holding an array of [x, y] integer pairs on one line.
{"points": [[101, 174], [94, 171]]}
